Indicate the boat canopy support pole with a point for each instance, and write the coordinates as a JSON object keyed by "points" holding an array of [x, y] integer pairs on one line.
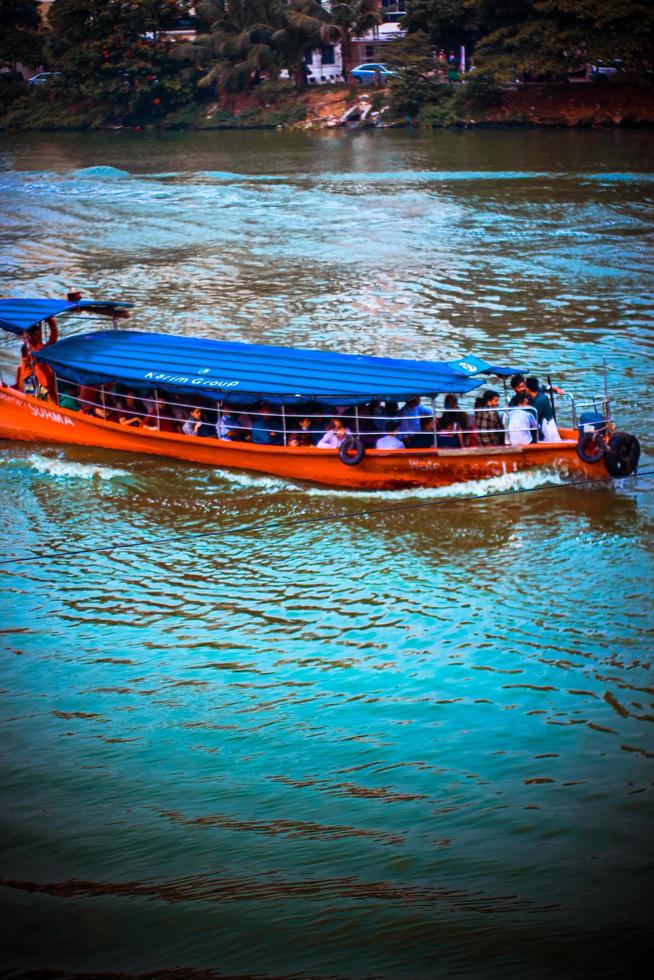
{"points": [[607, 405], [433, 414], [284, 423]]}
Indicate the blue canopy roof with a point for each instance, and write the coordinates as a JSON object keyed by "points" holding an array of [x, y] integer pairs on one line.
{"points": [[18, 315], [243, 371]]}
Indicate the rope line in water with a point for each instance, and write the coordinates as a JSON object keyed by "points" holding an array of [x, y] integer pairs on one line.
{"points": [[338, 516]]}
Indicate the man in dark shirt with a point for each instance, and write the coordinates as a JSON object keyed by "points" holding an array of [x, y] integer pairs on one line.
{"points": [[267, 428], [541, 402], [425, 438], [519, 386]]}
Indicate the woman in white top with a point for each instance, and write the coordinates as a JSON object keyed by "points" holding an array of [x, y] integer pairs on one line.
{"points": [[522, 423], [334, 435], [391, 440]]}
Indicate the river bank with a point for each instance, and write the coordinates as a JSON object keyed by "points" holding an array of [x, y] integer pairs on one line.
{"points": [[278, 105]]}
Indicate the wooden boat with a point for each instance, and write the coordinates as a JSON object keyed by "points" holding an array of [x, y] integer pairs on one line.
{"points": [[223, 374]]}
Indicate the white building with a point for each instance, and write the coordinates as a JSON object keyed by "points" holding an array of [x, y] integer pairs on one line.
{"points": [[326, 64]]}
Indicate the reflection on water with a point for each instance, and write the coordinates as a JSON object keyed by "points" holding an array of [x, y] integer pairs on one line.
{"points": [[385, 743]]}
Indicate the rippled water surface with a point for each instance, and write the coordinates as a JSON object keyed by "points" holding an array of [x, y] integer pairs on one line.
{"points": [[405, 744]]}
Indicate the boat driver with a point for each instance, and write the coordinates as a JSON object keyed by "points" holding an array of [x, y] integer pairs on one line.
{"points": [[32, 378]]}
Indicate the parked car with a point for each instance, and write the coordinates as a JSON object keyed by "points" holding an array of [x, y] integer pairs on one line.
{"points": [[602, 72], [43, 78], [371, 71]]}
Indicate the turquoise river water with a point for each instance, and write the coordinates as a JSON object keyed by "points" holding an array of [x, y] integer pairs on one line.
{"points": [[414, 744]]}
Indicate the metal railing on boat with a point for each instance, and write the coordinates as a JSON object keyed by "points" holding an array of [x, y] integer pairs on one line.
{"points": [[158, 411]]}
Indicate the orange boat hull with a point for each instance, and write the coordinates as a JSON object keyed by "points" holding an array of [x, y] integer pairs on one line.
{"points": [[26, 419]]}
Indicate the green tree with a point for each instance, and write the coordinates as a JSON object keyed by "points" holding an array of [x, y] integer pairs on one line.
{"points": [[552, 37], [21, 39], [352, 20], [250, 37], [109, 51], [447, 23], [237, 46], [418, 80], [308, 25]]}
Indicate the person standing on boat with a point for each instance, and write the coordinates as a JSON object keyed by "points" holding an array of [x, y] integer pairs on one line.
{"points": [[519, 386], [32, 378], [523, 427], [411, 416], [544, 410]]}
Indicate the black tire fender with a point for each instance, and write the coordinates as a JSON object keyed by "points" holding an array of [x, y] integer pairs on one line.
{"points": [[622, 455], [591, 447], [351, 451]]}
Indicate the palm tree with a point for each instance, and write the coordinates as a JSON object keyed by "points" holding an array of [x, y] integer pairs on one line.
{"points": [[238, 46], [352, 20], [251, 36], [307, 26]]}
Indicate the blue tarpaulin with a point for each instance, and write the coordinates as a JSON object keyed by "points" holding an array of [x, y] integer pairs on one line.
{"points": [[245, 371], [18, 315]]}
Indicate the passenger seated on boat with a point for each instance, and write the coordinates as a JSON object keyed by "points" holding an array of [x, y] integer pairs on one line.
{"points": [[523, 427], [302, 432], [542, 404], [193, 423], [472, 438], [490, 430], [90, 402], [410, 417], [451, 425], [334, 435], [392, 438], [374, 416], [371, 423], [129, 410], [225, 426], [241, 434], [244, 421], [448, 435], [160, 418], [266, 428], [425, 438], [67, 397]]}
